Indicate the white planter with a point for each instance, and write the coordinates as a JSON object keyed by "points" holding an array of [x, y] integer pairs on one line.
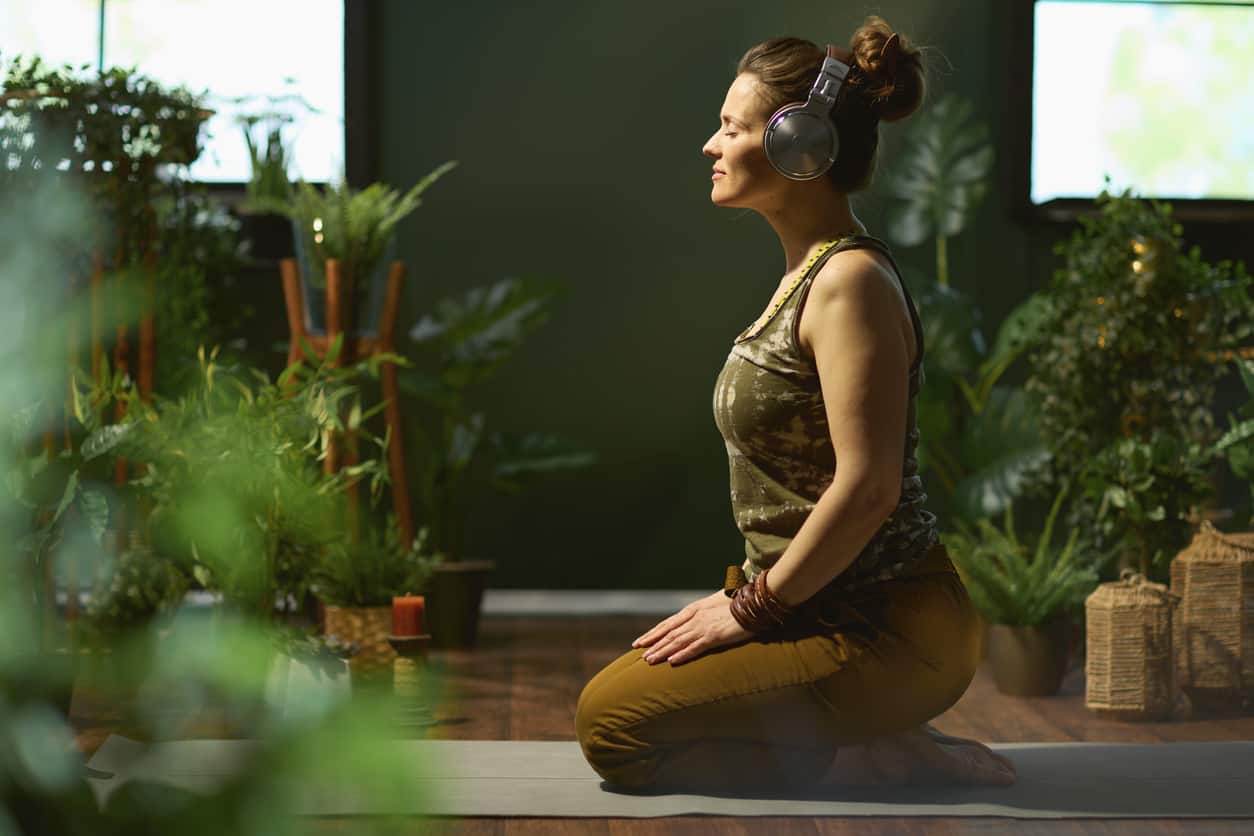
{"points": [[295, 688]]}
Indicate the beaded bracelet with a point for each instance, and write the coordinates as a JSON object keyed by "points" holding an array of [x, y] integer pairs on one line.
{"points": [[756, 607]]}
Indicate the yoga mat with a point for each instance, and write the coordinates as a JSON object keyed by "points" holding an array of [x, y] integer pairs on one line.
{"points": [[551, 778]]}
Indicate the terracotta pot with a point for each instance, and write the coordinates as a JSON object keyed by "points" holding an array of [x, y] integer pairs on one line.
{"points": [[1028, 661], [454, 601]]}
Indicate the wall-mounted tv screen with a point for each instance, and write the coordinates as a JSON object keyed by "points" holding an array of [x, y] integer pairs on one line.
{"points": [[1157, 95]]}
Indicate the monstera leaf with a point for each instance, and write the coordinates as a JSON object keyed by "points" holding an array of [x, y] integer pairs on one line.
{"points": [[940, 177], [1000, 447], [521, 458], [478, 332]]}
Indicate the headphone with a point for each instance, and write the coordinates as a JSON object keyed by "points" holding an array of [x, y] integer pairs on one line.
{"points": [[801, 140]]}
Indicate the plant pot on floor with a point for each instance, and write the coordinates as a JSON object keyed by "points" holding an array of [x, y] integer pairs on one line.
{"points": [[1029, 660], [455, 600], [368, 628]]}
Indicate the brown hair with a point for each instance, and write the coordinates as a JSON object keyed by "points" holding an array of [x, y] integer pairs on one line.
{"points": [[885, 83]]}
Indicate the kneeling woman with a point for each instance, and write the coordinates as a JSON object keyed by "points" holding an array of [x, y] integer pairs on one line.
{"points": [[846, 628]]}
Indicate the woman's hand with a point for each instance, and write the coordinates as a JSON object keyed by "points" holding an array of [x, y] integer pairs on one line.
{"points": [[702, 625]]}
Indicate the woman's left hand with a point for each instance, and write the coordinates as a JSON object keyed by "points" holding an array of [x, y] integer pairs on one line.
{"points": [[692, 631]]}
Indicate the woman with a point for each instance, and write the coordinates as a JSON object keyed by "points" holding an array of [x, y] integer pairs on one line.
{"points": [[829, 672]]}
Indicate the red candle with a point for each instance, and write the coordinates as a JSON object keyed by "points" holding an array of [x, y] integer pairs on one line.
{"points": [[407, 615]]}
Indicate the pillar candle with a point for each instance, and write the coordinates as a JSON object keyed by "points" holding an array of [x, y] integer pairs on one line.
{"points": [[407, 615]]}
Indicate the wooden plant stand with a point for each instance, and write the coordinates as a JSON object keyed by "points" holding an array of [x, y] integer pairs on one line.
{"points": [[355, 348]]}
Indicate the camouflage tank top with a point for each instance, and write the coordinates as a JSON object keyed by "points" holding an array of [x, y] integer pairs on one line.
{"points": [[769, 409]]}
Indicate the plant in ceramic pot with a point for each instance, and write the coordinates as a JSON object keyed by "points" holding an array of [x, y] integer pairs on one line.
{"points": [[1022, 592], [356, 582], [354, 227], [1129, 352], [464, 341]]}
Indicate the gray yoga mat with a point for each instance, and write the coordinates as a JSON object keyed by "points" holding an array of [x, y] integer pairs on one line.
{"points": [[551, 778]]}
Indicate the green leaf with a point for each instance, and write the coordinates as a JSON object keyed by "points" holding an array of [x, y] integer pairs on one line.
{"points": [[105, 439], [939, 179]]}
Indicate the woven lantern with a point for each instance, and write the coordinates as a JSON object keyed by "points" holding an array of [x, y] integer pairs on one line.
{"points": [[1128, 670], [1214, 577]]}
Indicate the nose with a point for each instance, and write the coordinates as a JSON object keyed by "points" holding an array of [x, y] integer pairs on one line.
{"points": [[710, 149]]}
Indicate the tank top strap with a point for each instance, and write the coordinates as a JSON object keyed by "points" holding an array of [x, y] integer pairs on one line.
{"points": [[858, 241]]}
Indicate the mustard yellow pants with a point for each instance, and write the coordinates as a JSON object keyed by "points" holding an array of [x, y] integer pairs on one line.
{"points": [[772, 711]]}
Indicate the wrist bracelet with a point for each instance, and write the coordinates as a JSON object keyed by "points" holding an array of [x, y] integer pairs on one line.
{"points": [[756, 607]]}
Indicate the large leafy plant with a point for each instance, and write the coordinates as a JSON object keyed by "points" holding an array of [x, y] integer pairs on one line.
{"points": [[463, 342], [1129, 350], [1014, 583], [978, 438], [939, 179]]}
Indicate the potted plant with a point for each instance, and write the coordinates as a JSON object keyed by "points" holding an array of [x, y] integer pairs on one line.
{"points": [[354, 227], [461, 343], [1135, 326], [979, 438], [1022, 593], [356, 582], [268, 190], [247, 457], [1147, 494]]}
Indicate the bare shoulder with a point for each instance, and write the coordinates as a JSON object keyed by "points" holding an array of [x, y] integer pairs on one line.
{"points": [[853, 283]]}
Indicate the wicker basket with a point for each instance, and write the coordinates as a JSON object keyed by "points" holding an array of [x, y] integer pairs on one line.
{"points": [[1214, 577], [1128, 670], [369, 628]]}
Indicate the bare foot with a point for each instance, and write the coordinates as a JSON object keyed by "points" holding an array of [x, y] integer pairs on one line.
{"points": [[920, 756]]}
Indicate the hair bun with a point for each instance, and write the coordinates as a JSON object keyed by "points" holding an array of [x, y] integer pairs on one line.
{"points": [[892, 70]]}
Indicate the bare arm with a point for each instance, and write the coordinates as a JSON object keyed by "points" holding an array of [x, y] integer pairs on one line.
{"points": [[863, 365]]}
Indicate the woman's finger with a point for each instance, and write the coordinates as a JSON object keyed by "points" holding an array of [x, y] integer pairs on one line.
{"points": [[662, 628], [673, 642]]}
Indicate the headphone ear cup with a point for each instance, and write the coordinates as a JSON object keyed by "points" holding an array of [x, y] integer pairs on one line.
{"points": [[800, 143]]}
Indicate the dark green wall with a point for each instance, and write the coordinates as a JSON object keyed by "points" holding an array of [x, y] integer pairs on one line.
{"points": [[579, 128]]}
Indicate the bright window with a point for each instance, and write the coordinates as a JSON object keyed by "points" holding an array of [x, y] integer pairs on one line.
{"points": [[229, 48]]}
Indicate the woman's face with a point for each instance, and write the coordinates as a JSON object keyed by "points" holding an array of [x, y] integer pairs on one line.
{"points": [[742, 176]]}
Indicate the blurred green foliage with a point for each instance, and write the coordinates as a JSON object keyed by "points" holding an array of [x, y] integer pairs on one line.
{"points": [[231, 474]]}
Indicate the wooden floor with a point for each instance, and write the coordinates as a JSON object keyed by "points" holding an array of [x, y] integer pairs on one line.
{"points": [[523, 679]]}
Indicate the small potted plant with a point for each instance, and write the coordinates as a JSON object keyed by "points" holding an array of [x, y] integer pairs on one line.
{"points": [[1022, 598], [356, 582], [268, 189], [354, 227]]}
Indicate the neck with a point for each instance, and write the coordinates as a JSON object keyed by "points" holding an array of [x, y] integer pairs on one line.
{"points": [[807, 215]]}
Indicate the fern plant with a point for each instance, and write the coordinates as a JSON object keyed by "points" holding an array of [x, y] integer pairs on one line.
{"points": [[352, 226], [368, 573], [1007, 585]]}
